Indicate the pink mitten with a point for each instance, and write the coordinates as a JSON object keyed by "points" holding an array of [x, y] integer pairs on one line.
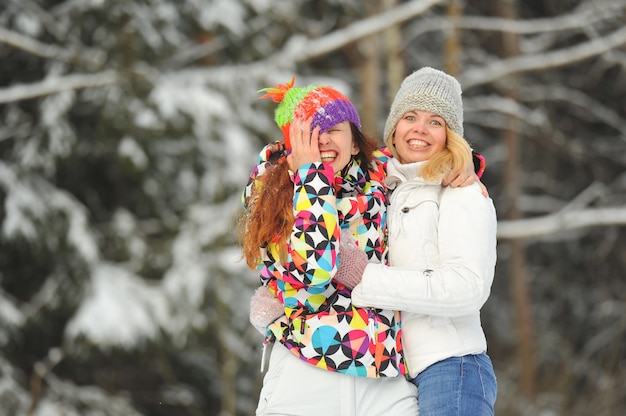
{"points": [[352, 261], [264, 309]]}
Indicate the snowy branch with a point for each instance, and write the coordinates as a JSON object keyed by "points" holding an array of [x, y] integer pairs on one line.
{"points": [[186, 56], [526, 63], [364, 28], [577, 98], [37, 48], [56, 84], [300, 49], [532, 26], [561, 221], [48, 51], [576, 20], [497, 104], [34, 10], [503, 105], [405, 12]]}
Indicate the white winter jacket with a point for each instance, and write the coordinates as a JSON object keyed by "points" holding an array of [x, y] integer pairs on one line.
{"points": [[442, 255]]}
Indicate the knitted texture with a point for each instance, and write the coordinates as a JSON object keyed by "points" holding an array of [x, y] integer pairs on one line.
{"points": [[352, 261], [265, 308], [326, 105], [427, 89]]}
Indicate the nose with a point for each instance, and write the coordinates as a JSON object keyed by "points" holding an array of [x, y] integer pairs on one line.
{"points": [[324, 138], [419, 126]]}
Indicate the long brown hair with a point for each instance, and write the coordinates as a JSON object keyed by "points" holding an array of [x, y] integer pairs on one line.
{"points": [[268, 218]]}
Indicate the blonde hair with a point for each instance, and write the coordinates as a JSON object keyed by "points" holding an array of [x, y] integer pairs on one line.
{"points": [[456, 156]]}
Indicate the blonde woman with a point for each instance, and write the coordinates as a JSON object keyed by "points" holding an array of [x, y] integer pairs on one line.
{"points": [[441, 250]]}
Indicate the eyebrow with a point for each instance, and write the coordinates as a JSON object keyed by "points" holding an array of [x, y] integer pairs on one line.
{"points": [[425, 111]]}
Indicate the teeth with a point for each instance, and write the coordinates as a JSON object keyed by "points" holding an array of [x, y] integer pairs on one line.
{"points": [[327, 155], [417, 143]]}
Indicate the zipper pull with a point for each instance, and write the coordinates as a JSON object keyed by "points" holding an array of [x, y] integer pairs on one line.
{"points": [[263, 355], [372, 326]]}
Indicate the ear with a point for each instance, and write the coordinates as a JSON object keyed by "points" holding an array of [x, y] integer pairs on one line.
{"points": [[393, 138], [355, 148]]}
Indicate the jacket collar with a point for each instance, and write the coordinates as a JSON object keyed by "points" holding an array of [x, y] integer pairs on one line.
{"points": [[398, 173], [351, 179]]}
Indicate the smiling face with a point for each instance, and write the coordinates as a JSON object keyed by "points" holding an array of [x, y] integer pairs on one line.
{"points": [[419, 135], [337, 146]]}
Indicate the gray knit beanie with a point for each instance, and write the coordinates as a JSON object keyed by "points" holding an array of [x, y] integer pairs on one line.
{"points": [[428, 89]]}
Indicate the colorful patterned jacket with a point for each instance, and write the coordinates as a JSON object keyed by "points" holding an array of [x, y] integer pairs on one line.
{"points": [[321, 326]]}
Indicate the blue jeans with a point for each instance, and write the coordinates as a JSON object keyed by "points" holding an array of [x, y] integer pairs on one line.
{"points": [[457, 386]]}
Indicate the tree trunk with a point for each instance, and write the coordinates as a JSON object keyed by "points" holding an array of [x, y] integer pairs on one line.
{"points": [[229, 364], [518, 261], [452, 56], [394, 60], [370, 77]]}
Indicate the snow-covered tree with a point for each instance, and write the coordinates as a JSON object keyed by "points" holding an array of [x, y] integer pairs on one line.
{"points": [[128, 129]]}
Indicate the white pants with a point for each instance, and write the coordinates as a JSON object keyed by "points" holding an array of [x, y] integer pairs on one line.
{"points": [[292, 387]]}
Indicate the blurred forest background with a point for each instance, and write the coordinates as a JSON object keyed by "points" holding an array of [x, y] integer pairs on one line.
{"points": [[128, 129]]}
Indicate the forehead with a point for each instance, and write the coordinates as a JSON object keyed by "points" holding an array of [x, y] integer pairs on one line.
{"points": [[425, 113]]}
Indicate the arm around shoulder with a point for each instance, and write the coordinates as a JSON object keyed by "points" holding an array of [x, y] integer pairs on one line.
{"points": [[461, 281]]}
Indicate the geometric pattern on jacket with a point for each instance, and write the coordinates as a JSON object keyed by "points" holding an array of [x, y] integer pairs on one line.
{"points": [[321, 325]]}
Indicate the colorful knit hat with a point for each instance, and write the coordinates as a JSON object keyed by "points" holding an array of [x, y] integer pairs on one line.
{"points": [[428, 89], [326, 105]]}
